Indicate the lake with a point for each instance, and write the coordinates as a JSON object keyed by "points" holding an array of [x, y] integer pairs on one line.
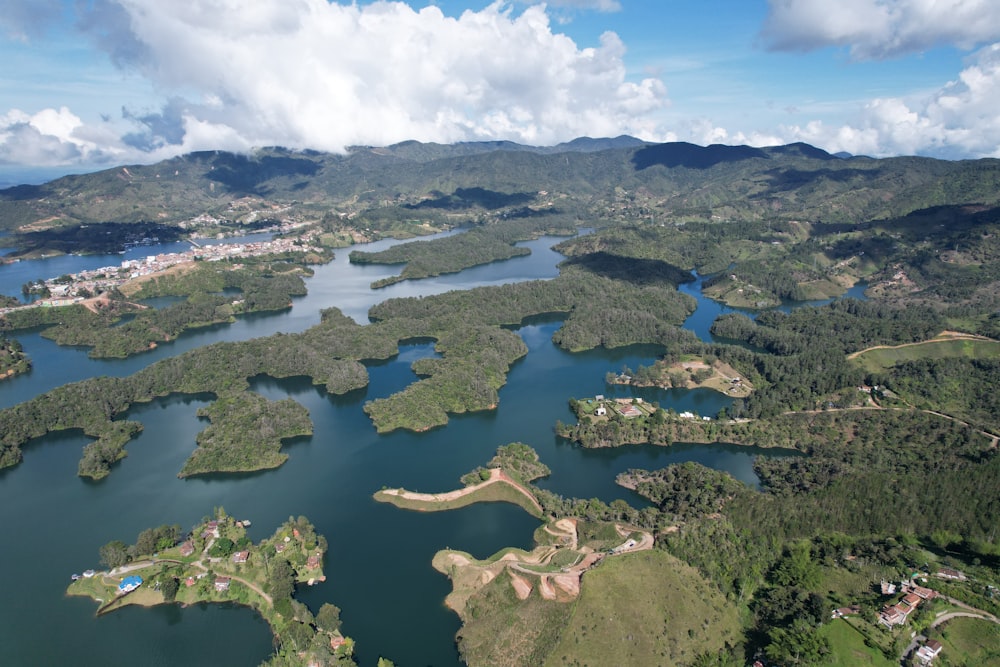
{"points": [[378, 566]]}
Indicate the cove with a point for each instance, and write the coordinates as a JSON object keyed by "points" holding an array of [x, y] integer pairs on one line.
{"points": [[379, 558], [700, 321]]}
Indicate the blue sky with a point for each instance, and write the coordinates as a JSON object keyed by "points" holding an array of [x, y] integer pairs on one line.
{"points": [[92, 83]]}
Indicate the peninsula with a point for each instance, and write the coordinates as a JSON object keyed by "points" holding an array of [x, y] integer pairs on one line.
{"points": [[217, 562]]}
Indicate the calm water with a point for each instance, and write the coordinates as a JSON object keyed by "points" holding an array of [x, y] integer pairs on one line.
{"points": [[378, 566], [708, 310]]}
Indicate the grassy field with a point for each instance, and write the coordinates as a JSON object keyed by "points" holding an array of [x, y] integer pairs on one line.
{"points": [[647, 608], [969, 641], [849, 649], [877, 359], [501, 631]]}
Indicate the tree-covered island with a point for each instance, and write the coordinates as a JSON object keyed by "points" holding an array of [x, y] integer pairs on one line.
{"points": [[218, 562]]}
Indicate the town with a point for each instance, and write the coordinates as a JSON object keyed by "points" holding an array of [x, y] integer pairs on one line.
{"points": [[75, 288]]}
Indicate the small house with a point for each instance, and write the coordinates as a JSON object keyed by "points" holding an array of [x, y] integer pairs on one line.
{"points": [[601, 411], [222, 584], [948, 573], [892, 615], [187, 548], [313, 562], [241, 556], [929, 651]]}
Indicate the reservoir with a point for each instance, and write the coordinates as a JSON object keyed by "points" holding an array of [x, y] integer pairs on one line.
{"points": [[378, 565]]}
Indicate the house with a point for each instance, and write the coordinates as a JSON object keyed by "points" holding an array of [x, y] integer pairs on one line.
{"points": [[313, 562], [601, 411], [924, 593], [948, 573], [853, 610], [189, 582], [241, 556], [929, 651], [187, 548], [222, 584], [892, 615], [911, 600], [888, 588], [629, 411], [279, 547]]}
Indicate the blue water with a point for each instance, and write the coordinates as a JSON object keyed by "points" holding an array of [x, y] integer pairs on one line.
{"points": [[378, 566]]}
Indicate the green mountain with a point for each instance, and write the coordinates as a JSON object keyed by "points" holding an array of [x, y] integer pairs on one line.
{"points": [[597, 178]]}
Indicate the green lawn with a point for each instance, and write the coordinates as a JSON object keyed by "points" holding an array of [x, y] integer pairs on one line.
{"points": [[849, 648]]}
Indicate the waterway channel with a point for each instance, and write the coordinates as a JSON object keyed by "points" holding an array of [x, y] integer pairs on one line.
{"points": [[378, 565]]}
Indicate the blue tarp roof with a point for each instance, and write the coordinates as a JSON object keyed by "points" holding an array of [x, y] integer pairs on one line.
{"points": [[134, 580]]}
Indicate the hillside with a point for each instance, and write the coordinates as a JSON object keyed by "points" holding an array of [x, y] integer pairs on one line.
{"points": [[594, 179]]}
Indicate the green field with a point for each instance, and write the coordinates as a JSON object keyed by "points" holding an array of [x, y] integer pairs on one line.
{"points": [[848, 647], [647, 608], [969, 641], [878, 359]]}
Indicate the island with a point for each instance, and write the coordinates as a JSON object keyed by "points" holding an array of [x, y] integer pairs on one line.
{"points": [[13, 360], [217, 562]]}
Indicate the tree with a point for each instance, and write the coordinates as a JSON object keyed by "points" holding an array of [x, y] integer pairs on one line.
{"points": [[797, 568], [281, 582], [169, 589], [114, 554], [328, 618], [799, 644]]}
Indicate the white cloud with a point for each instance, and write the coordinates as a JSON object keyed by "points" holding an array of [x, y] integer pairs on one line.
{"points": [[961, 119], [599, 5], [314, 74], [880, 28], [55, 137]]}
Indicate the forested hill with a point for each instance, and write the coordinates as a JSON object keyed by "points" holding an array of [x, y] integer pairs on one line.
{"points": [[595, 178]]}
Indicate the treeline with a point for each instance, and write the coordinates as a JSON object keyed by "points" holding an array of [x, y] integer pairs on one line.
{"points": [[848, 325], [683, 492], [600, 311], [480, 245], [151, 540]]}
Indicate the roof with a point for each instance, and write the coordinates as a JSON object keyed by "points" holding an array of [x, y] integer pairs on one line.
{"points": [[934, 645]]}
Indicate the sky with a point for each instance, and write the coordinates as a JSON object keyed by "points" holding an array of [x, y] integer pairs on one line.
{"points": [[88, 84]]}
